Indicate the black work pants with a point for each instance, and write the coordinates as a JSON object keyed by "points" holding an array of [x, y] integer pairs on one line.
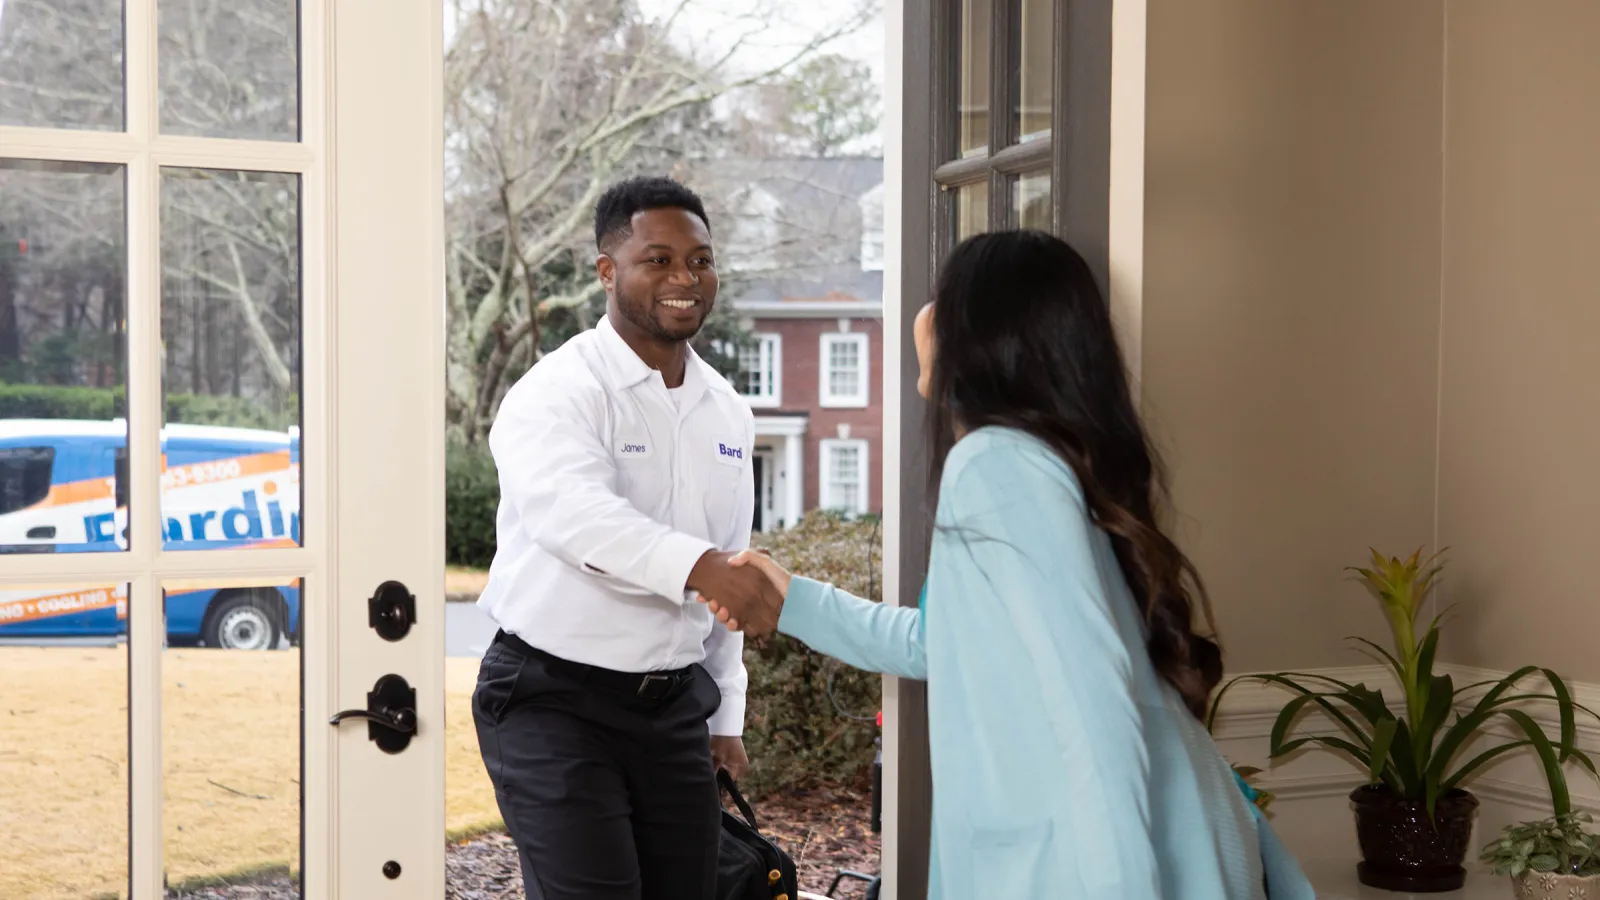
{"points": [[604, 779]]}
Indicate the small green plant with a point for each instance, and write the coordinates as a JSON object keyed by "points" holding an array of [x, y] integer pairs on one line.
{"points": [[1561, 845], [1415, 756]]}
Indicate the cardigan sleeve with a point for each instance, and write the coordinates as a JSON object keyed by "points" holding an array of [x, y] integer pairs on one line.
{"points": [[867, 635]]}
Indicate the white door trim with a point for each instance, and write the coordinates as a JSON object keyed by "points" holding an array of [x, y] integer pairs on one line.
{"points": [[387, 147]]}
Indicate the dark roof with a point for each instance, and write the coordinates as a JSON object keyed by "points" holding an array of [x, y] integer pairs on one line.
{"points": [[789, 229]]}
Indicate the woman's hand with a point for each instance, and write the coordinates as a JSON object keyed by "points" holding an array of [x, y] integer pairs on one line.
{"points": [[769, 567], [775, 573]]}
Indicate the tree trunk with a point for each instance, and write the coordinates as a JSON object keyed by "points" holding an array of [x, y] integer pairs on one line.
{"points": [[10, 331], [506, 342], [196, 333]]}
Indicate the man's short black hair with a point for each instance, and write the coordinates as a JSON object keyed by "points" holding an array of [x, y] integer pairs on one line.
{"points": [[613, 214]]}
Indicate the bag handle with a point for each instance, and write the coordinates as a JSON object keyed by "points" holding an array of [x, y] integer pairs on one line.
{"points": [[725, 781]]}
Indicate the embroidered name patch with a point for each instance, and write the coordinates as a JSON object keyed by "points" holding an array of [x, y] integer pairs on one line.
{"points": [[728, 452], [633, 448]]}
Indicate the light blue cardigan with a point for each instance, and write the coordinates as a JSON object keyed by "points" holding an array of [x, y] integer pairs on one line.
{"points": [[1063, 766]]}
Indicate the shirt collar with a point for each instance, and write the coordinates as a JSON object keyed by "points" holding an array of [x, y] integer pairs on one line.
{"points": [[626, 369], [623, 366]]}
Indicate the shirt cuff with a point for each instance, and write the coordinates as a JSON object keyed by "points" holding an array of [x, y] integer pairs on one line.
{"points": [[668, 570], [728, 720]]}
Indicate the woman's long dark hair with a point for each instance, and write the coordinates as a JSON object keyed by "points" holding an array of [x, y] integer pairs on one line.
{"points": [[1023, 338]]}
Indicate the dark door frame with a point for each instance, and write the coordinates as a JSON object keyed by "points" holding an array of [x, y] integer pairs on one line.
{"points": [[919, 151]]}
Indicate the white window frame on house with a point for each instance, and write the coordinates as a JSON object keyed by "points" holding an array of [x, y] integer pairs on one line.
{"points": [[825, 395], [858, 505], [769, 358]]}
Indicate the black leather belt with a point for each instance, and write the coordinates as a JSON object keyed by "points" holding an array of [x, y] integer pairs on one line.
{"points": [[645, 685]]}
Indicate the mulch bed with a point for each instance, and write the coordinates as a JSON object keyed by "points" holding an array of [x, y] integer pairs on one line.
{"points": [[825, 830]]}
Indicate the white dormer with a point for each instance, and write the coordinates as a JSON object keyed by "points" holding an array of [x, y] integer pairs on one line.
{"points": [[871, 204], [754, 233]]}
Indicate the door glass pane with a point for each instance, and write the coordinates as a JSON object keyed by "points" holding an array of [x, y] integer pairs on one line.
{"points": [[230, 69], [61, 64], [972, 210], [64, 742], [1030, 201], [63, 351], [230, 738], [230, 324], [1032, 79], [977, 17]]}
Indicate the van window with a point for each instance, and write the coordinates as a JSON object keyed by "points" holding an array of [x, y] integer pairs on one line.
{"points": [[24, 476], [119, 467]]}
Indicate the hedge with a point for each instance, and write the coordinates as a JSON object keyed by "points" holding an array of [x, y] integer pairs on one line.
{"points": [[472, 497], [811, 719], [40, 401]]}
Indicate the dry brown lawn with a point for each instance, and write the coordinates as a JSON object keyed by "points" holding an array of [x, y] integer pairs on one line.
{"points": [[231, 748], [460, 582]]}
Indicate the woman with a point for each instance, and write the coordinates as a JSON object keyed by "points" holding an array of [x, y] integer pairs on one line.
{"points": [[1065, 683]]}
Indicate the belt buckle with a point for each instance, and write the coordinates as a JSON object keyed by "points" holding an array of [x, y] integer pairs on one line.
{"points": [[647, 681]]}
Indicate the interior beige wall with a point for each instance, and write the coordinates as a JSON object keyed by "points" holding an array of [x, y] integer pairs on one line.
{"points": [[1291, 302], [1519, 480]]}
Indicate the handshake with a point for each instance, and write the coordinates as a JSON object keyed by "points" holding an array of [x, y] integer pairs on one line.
{"points": [[743, 590]]}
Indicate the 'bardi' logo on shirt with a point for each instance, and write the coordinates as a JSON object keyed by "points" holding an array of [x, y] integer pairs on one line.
{"points": [[730, 452]]}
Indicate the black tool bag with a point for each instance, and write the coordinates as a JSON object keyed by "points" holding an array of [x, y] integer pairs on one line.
{"points": [[750, 867]]}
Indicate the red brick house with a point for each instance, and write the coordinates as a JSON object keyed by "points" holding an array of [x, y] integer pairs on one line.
{"points": [[803, 255], [815, 383]]}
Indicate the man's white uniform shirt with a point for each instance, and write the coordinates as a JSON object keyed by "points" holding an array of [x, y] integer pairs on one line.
{"points": [[611, 489]]}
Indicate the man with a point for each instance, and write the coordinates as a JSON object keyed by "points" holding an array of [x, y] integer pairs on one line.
{"points": [[626, 487]]}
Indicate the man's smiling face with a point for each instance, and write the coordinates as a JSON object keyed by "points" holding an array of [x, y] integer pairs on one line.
{"points": [[662, 276]]}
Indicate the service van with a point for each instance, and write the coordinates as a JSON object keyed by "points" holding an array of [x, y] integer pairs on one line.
{"points": [[64, 489]]}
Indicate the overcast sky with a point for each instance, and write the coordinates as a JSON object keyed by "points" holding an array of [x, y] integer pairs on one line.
{"points": [[713, 24], [770, 27]]}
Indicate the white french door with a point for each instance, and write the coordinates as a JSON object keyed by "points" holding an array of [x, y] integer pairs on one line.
{"points": [[221, 436]]}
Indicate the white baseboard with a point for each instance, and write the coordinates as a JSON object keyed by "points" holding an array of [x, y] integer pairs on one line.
{"points": [[1312, 811]]}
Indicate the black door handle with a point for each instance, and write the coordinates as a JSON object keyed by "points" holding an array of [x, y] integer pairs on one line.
{"points": [[391, 714], [403, 720], [43, 532]]}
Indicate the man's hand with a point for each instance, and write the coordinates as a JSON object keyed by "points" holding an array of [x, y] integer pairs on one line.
{"points": [[755, 559], [728, 753], [745, 598]]}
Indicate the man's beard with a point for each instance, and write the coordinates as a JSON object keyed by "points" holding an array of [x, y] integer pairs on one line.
{"points": [[643, 317]]}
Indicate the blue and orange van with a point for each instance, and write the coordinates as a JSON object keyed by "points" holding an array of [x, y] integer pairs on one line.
{"points": [[63, 489]]}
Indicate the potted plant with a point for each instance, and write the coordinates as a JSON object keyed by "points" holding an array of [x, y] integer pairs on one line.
{"points": [[1413, 817], [1554, 859]]}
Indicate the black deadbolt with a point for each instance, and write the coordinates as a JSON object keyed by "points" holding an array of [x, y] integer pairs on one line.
{"points": [[391, 714], [391, 610]]}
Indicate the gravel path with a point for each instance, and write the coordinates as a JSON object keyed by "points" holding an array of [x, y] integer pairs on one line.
{"points": [[824, 830]]}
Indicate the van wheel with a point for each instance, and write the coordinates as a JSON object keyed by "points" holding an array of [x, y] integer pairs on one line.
{"points": [[245, 621]]}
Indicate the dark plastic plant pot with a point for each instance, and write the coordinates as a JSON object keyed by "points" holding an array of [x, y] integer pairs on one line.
{"points": [[1401, 850]]}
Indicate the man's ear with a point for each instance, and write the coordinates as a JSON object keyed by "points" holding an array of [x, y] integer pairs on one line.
{"points": [[606, 268]]}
